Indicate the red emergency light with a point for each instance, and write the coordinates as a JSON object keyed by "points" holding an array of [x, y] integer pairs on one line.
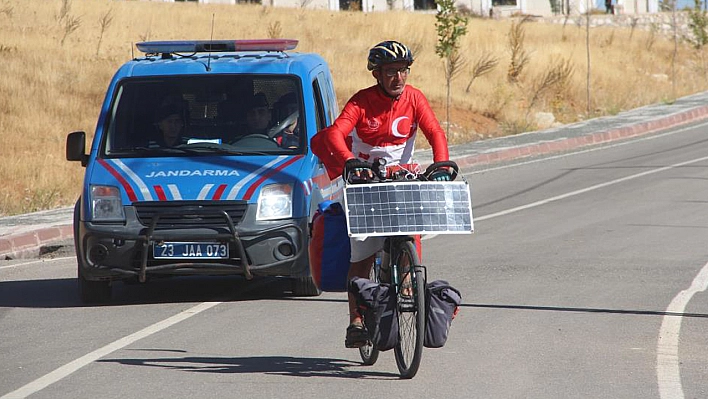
{"points": [[216, 46]]}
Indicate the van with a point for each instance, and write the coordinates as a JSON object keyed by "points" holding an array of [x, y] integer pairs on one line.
{"points": [[200, 165]]}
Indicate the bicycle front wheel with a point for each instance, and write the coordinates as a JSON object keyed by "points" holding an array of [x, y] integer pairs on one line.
{"points": [[411, 310]]}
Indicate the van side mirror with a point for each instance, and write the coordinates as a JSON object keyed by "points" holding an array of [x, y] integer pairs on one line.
{"points": [[76, 147]]}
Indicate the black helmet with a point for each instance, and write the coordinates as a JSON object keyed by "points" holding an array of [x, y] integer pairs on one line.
{"points": [[388, 52]]}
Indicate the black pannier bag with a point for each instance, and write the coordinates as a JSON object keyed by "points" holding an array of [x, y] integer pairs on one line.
{"points": [[441, 304], [377, 305]]}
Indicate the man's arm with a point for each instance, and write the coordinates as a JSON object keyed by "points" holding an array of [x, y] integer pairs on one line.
{"points": [[330, 144]]}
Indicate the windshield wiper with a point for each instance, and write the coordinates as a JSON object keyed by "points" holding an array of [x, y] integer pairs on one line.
{"points": [[147, 150], [224, 149], [192, 149]]}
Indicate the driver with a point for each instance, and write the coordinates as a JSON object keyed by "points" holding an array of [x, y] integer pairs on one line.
{"points": [[258, 114]]}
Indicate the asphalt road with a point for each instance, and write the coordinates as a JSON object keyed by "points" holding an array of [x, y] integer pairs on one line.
{"points": [[585, 278]]}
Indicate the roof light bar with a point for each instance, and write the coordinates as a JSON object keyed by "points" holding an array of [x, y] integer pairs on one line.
{"points": [[216, 46]]}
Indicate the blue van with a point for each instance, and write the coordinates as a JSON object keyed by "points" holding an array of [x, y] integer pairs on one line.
{"points": [[200, 165]]}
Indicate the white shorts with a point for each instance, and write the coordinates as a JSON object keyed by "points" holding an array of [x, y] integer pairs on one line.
{"points": [[362, 248]]}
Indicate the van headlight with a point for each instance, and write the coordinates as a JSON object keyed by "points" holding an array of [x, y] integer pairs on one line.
{"points": [[106, 205], [275, 202]]}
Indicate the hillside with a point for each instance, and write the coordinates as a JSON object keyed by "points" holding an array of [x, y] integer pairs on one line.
{"points": [[59, 55]]}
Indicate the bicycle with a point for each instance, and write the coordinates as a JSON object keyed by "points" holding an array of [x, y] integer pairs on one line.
{"points": [[398, 264]]}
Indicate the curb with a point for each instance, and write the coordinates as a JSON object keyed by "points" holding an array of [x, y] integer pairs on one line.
{"points": [[30, 243], [565, 144]]}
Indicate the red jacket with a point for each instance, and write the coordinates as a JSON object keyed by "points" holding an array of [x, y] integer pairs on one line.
{"points": [[385, 128]]}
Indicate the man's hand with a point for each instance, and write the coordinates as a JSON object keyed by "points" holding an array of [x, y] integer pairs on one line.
{"points": [[441, 171], [356, 171], [441, 175]]}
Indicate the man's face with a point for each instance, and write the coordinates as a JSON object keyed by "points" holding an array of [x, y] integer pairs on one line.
{"points": [[171, 127], [392, 77], [258, 118]]}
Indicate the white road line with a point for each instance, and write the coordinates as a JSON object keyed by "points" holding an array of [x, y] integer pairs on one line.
{"points": [[69, 368], [587, 189], [36, 261], [667, 359], [552, 157]]}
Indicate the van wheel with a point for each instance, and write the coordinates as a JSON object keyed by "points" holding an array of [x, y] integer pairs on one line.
{"points": [[93, 291], [305, 286], [89, 291]]}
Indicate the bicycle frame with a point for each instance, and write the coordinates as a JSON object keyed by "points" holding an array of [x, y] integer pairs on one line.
{"points": [[392, 244]]}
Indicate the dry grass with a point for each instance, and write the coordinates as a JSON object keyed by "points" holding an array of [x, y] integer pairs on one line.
{"points": [[48, 89]]}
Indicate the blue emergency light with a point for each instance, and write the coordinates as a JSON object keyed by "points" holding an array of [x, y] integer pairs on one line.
{"points": [[215, 46]]}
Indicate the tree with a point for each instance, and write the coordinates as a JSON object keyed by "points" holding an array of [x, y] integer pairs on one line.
{"points": [[698, 23], [451, 26]]}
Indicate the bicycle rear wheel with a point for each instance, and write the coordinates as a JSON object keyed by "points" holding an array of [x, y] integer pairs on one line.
{"points": [[368, 353], [411, 310]]}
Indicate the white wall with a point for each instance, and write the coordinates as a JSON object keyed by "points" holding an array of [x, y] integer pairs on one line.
{"points": [[481, 7]]}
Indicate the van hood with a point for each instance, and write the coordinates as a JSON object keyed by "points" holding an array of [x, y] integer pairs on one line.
{"points": [[196, 178]]}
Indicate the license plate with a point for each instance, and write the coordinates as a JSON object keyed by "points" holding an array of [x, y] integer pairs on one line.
{"points": [[190, 250]]}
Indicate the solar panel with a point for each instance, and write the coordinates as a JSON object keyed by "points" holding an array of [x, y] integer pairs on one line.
{"points": [[405, 208]]}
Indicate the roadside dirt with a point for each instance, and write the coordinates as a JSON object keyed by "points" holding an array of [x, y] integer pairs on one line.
{"points": [[466, 126]]}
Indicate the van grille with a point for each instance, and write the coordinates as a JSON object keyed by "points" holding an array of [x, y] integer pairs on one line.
{"points": [[190, 213]]}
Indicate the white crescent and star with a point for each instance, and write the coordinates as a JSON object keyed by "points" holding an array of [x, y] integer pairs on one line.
{"points": [[394, 127]]}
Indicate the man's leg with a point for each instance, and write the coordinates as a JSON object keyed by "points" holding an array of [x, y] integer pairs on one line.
{"points": [[363, 253], [362, 269]]}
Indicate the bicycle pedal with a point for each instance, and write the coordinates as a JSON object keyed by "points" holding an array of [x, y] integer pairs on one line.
{"points": [[406, 304]]}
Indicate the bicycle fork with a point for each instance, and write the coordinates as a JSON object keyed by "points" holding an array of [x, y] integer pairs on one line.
{"points": [[406, 301]]}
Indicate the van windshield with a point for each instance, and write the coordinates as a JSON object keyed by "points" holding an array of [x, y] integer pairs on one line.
{"points": [[204, 115]]}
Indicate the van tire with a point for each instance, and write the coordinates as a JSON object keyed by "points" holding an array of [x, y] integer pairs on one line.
{"points": [[94, 291], [89, 291], [305, 286]]}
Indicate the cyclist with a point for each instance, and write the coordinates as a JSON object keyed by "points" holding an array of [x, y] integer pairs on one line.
{"points": [[383, 121]]}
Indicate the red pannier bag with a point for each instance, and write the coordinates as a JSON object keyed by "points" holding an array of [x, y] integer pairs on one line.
{"points": [[329, 247]]}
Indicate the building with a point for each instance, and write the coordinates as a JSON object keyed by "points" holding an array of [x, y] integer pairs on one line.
{"points": [[481, 7]]}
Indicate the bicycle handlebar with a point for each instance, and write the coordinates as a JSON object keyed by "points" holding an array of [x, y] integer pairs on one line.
{"points": [[351, 166], [380, 173], [449, 166]]}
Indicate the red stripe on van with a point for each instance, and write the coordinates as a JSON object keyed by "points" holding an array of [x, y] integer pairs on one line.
{"points": [[160, 193], [126, 186], [265, 176], [219, 191]]}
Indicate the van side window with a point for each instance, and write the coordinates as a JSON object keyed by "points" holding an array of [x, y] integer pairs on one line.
{"points": [[329, 96], [319, 105]]}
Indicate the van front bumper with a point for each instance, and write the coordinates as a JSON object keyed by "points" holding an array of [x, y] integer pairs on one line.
{"points": [[125, 251]]}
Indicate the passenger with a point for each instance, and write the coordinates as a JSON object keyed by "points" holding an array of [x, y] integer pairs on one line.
{"points": [[169, 119], [287, 107]]}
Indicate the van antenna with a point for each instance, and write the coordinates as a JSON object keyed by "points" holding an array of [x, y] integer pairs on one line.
{"points": [[211, 40], [132, 50]]}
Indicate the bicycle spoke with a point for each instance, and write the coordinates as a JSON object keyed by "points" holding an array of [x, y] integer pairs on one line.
{"points": [[411, 311]]}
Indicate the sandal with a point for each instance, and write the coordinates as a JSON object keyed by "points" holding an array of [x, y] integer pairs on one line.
{"points": [[356, 336]]}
